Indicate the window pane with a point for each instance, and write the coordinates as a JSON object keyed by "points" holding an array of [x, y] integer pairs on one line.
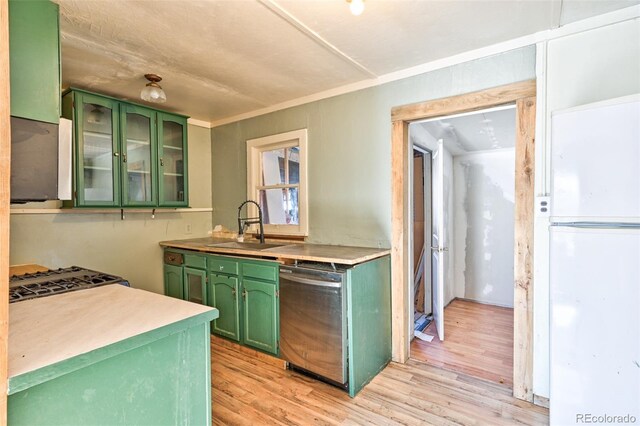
{"points": [[97, 151], [293, 211], [272, 163], [139, 157], [294, 164], [280, 206]]}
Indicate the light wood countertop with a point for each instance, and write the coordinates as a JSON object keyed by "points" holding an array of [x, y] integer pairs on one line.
{"points": [[26, 269], [52, 329], [345, 255]]}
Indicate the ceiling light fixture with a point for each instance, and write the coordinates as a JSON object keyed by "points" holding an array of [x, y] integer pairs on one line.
{"points": [[152, 92], [356, 6]]}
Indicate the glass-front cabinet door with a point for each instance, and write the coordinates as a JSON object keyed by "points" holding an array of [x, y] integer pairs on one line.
{"points": [[195, 282], [138, 126], [98, 157], [172, 154]]}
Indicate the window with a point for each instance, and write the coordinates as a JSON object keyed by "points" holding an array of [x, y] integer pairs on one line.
{"points": [[277, 180]]}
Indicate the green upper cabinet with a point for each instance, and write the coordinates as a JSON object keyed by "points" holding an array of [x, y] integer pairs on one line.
{"points": [[127, 155], [172, 154], [138, 127], [34, 43]]}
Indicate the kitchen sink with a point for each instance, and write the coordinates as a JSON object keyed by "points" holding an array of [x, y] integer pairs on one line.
{"points": [[246, 245]]}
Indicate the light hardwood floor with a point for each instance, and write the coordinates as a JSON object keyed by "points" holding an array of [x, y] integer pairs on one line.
{"points": [[249, 390], [478, 342]]}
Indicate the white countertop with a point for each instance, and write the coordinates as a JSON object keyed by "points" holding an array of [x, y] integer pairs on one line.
{"points": [[51, 329]]}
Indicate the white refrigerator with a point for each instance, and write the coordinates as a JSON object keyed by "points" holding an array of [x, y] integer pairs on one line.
{"points": [[595, 264]]}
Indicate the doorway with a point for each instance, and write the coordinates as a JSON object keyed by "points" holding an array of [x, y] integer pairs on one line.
{"points": [[421, 236], [523, 94], [472, 242]]}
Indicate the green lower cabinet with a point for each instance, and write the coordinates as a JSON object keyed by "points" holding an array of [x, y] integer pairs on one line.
{"points": [[223, 294], [260, 315], [173, 281]]}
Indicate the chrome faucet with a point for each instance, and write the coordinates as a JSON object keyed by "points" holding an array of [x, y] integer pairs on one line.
{"points": [[244, 222]]}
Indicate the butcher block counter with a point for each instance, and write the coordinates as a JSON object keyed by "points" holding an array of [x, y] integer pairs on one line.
{"points": [[345, 255], [109, 355]]}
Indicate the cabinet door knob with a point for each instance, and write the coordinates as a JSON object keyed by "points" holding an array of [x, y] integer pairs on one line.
{"points": [[162, 162], [124, 158], [233, 291], [221, 268], [116, 154], [244, 293]]}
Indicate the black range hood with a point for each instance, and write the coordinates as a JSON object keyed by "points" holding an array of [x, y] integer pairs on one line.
{"points": [[40, 160]]}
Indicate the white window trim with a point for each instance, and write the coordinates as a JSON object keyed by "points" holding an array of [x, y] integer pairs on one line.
{"points": [[281, 140]]}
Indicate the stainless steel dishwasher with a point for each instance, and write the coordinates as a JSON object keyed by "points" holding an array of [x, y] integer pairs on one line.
{"points": [[313, 329]]}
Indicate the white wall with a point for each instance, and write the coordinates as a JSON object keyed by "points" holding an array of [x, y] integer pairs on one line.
{"points": [[587, 67], [484, 226]]}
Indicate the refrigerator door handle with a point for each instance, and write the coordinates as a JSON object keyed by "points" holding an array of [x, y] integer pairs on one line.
{"points": [[597, 225]]}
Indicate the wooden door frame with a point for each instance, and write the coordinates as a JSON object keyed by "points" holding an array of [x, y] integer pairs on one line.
{"points": [[523, 95], [5, 198]]}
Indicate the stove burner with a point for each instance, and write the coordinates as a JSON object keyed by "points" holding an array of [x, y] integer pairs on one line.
{"points": [[57, 281]]}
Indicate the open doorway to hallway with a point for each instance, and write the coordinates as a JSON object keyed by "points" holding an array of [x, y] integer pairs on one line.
{"points": [[468, 244]]}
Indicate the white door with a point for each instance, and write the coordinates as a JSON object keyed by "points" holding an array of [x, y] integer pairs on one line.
{"points": [[438, 240]]}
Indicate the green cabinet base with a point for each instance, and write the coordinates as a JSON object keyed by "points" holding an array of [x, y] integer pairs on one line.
{"points": [[369, 321], [164, 382]]}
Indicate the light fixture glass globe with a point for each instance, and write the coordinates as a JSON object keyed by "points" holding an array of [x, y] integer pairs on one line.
{"points": [[356, 7], [152, 92]]}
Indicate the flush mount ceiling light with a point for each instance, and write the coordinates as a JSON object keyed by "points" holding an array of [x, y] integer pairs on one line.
{"points": [[152, 92], [356, 6]]}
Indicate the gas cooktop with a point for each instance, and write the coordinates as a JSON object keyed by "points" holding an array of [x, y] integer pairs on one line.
{"points": [[57, 281]]}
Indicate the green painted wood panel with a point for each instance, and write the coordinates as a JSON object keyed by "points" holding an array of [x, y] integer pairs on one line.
{"points": [[164, 382], [34, 55], [223, 265], [195, 285], [173, 283], [262, 270], [195, 261], [369, 321], [138, 156], [173, 176], [260, 315], [223, 295]]}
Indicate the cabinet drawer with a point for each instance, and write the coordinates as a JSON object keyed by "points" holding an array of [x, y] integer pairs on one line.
{"points": [[172, 258], [195, 261], [262, 271], [227, 266]]}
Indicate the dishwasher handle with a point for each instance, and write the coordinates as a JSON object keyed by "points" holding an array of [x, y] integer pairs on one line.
{"points": [[319, 283]]}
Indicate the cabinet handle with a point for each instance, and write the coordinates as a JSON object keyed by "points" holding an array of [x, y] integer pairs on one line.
{"points": [[233, 291], [244, 293], [124, 158], [221, 268], [162, 162], [116, 154]]}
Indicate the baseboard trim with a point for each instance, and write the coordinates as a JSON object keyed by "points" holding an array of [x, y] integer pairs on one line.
{"points": [[541, 401], [481, 302]]}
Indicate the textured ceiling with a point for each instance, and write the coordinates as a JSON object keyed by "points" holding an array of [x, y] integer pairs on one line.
{"points": [[480, 131], [220, 58]]}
